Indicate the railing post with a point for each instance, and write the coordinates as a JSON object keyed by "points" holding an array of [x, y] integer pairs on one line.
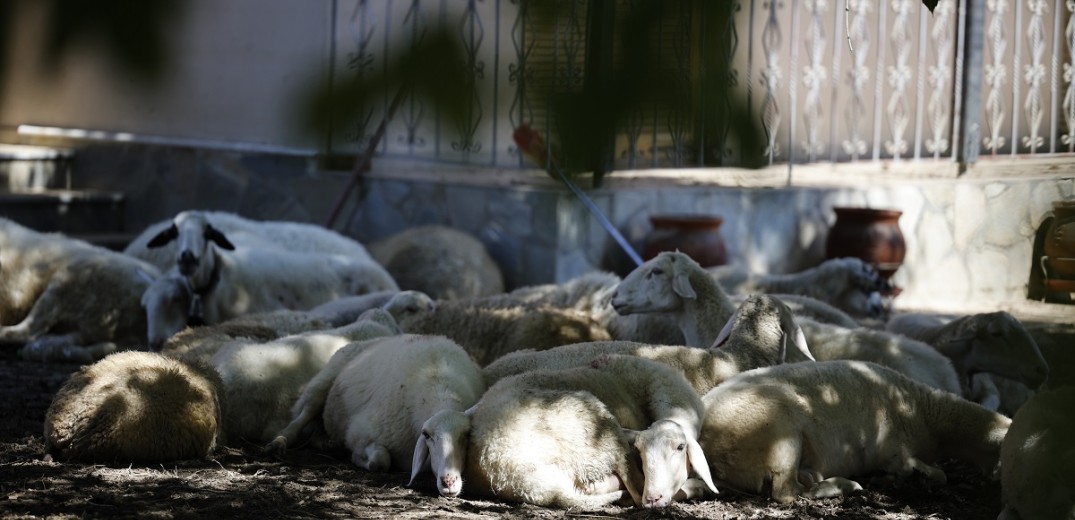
{"points": [[969, 133]]}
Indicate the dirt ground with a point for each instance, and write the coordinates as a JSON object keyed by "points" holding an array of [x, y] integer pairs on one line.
{"points": [[243, 484]]}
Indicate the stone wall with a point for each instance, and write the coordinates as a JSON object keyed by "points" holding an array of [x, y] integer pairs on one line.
{"points": [[969, 239]]}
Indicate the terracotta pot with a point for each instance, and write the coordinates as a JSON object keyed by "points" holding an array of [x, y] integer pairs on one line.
{"points": [[1059, 245], [870, 234], [698, 236]]}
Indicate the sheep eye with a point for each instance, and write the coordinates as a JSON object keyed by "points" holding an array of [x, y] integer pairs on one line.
{"points": [[681, 447], [656, 272], [427, 435]]}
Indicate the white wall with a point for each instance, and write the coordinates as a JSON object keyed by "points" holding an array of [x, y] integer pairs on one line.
{"points": [[238, 68]]}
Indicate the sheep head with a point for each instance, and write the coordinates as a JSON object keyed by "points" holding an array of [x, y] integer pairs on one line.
{"points": [[765, 322], [668, 454], [166, 303], [1001, 344], [442, 448], [658, 285], [193, 233]]}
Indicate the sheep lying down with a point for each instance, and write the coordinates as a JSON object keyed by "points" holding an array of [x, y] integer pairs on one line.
{"points": [[807, 428], [567, 438], [396, 403]]}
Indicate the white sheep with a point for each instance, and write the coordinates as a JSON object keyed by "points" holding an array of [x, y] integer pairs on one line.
{"points": [[202, 342], [757, 335], [66, 299], [262, 380], [994, 342], [909, 357], [558, 437], [590, 293], [249, 280], [396, 403], [135, 407], [184, 239], [674, 284], [849, 284], [443, 262], [488, 332], [806, 428], [1037, 459]]}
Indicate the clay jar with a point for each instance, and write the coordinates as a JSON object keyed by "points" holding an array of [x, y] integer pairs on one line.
{"points": [[1059, 245], [870, 234], [698, 236]]}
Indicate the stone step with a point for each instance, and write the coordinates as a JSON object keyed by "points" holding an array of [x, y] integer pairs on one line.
{"points": [[74, 212], [25, 167]]}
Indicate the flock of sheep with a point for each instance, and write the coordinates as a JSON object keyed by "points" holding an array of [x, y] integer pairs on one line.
{"points": [[211, 329]]}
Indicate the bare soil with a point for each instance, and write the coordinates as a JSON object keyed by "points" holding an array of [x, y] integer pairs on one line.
{"points": [[242, 483]]}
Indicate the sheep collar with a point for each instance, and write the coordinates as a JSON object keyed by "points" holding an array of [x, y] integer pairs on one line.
{"points": [[196, 313]]}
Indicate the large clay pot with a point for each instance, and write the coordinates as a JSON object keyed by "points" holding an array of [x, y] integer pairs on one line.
{"points": [[1059, 245], [698, 236], [870, 234]]}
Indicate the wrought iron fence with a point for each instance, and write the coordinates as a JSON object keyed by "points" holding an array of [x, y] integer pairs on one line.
{"points": [[822, 80]]}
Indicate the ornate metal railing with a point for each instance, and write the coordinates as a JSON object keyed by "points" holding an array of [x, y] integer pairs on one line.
{"points": [[821, 80]]}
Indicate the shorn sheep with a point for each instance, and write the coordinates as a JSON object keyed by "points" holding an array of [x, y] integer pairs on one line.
{"points": [[396, 403], [1037, 459], [561, 437], [488, 332], [136, 407], [807, 428], [674, 284], [848, 284], [249, 280], [757, 335], [443, 262], [263, 380], [68, 300], [994, 342]]}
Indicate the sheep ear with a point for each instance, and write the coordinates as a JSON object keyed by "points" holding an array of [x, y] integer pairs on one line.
{"points": [[163, 237], [213, 234], [799, 340], [696, 458], [632, 435], [681, 282], [725, 333], [420, 461]]}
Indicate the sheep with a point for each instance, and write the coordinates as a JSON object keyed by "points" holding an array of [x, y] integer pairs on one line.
{"points": [[674, 284], [202, 342], [396, 403], [262, 380], [1037, 460], [136, 407], [558, 437], [998, 393], [68, 300], [488, 332], [848, 283], [909, 357], [250, 280], [184, 239], [806, 428], [445, 263], [757, 335], [994, 342]]}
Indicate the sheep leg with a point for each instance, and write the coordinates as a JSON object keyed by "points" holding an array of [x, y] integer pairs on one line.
{"points": [[833, 487], [372, 457], [38, 321], [64, 348], [909, 465], [783, 464], [692, 488]]}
